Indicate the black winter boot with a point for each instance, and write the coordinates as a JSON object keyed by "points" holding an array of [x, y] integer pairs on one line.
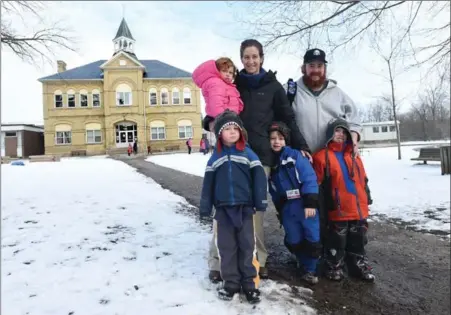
{"points": [[334, 272], [227, 294], [252, 296], [359, 267], [214, 276], [263, 273]]}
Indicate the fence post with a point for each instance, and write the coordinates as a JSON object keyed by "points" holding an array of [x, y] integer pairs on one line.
{"points": [[445, 159]]}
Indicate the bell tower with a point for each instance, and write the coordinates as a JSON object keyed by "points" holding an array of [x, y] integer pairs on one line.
{"points": [[124, 41]]}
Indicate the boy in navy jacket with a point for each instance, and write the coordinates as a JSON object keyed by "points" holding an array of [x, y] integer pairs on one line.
{"points": [[235, 183], [294, 189]]}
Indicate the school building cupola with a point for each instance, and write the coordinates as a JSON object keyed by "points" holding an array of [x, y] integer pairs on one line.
{"points": [[124, 41]]}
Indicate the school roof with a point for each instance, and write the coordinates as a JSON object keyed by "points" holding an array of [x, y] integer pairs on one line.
{"points": [[154, 69], [123, 31]]}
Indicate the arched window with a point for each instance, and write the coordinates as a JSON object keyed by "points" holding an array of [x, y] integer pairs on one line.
{"points": [[175, 96], [95, 98], [123, 95], [185, 129], [83, 98], [186, 96], [58, 98], [63, 134], [93, 133], [153, 97], [157, 130], [164, 96], [70, 98]]}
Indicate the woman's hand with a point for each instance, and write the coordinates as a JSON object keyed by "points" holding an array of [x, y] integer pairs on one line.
{"points": [[310, 212], [307, 155]]}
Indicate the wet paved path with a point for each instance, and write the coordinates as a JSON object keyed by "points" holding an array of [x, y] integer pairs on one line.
{"points": [[412, 269]]}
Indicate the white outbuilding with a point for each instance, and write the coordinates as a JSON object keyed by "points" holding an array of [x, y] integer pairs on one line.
{"points": [[379, 132]]}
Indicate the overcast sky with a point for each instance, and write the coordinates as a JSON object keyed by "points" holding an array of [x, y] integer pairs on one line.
{"points": [[182, 34]]}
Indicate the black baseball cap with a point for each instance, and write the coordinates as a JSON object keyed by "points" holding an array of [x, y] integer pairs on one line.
{"points": [[315, 54]]}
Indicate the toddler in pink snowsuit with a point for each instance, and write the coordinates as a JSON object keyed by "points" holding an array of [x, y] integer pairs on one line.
{"points": [[215, 78]]}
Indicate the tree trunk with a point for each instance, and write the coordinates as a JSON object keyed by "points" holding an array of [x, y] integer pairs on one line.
{"points": [[392, 84]]}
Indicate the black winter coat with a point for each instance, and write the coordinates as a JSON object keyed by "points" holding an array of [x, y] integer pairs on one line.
{"points": [[262, 105]]}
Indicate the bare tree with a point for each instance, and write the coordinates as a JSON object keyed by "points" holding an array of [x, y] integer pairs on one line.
{"points": [[37, 45], [421, 110], [392, 53], [337, 24], [432, 108]]}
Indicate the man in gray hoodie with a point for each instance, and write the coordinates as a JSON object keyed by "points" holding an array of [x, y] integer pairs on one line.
{"points": [[317, 100]]}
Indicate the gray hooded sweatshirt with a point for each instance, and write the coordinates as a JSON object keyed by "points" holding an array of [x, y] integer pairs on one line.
{"points": [[313, 113]]}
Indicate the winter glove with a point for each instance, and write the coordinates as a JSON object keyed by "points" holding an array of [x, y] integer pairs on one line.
{"points": [[205, 219]]}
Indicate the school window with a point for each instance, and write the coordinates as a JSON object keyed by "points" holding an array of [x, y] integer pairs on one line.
{"points": [[95, 98], [83, 98], [186, 96], [384, 129], [185, 132], [175, 96], [375, 129], [124, 98], [158, 133], [63, 137], [123, 95], [10, 134], [70, 98], [93, 136], [392, 128], [153, 97], [164, 97], [58, 99]]}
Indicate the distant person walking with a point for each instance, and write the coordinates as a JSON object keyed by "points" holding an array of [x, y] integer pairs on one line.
{"points": [[189, 144], [203, 147], [129, 149], [207, 146], [135, 147]]}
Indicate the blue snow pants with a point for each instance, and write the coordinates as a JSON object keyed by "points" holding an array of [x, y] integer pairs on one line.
{"points": [[302, 236]]}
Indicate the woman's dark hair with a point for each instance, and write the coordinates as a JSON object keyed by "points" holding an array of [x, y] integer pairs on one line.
{"points": [[251, 43]]}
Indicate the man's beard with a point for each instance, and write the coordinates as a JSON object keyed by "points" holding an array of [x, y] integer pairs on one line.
{"points": [[314, 84]]}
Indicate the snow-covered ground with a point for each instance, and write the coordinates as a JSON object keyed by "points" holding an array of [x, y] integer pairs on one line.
{"points": [[93, 236], [406, 192]]}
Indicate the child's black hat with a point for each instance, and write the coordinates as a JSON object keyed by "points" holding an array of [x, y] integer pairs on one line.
{"points": [[227, 118], [282, 128]]}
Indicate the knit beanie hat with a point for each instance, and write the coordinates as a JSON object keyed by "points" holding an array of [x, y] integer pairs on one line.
{"points": [[282, 128], [333, 125], [229, 118]]}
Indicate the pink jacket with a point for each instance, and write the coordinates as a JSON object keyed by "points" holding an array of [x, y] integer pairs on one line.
{"points": [[219, 95], [190, 142], [202, 144]]}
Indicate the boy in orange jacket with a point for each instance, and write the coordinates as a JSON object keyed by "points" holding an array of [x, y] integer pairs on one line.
{"points": [[345, 195]]}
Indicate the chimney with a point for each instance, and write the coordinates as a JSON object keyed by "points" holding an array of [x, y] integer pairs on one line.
{"points": [[61, 66]]}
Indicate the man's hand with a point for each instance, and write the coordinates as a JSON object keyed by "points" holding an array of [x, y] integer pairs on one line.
{"points": [[307, 155], [310, 212]]}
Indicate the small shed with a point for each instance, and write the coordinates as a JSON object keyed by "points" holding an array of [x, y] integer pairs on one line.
{"points": [[21, 140], [379, 132]]}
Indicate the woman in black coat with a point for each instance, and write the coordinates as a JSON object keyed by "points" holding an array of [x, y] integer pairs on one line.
{"points": [[264, 101]]}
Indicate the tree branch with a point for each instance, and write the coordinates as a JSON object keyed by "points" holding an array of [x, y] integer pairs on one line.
{"points": [[37, 45]]}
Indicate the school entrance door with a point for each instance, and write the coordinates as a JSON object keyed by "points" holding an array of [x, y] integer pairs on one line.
{"points": [[126, 132]]}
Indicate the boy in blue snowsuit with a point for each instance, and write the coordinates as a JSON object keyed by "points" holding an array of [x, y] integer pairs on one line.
{"points": [[235, 183], [294, 190]]}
